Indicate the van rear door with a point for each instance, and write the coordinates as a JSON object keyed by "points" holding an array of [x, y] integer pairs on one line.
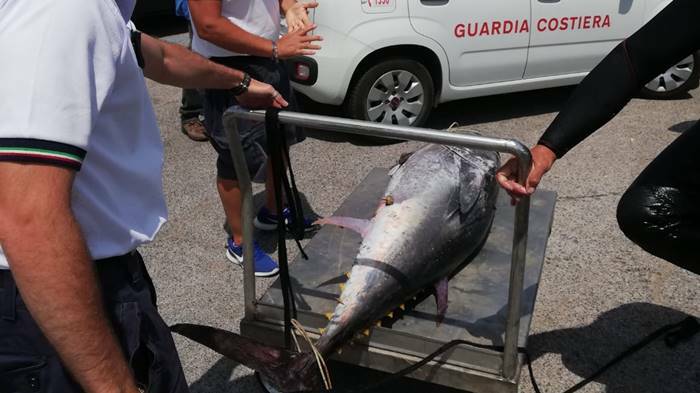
{"points": [[485, 40], [573, 36]]}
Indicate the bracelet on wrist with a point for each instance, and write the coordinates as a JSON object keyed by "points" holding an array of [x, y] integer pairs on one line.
{"points": [[275, 52], [242, 87]]}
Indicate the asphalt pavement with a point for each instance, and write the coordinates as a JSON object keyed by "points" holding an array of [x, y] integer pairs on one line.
{"points": [[599, 292]]}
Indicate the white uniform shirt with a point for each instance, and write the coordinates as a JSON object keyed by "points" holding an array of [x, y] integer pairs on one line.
{"points": [[258, 17], [73, 95]]}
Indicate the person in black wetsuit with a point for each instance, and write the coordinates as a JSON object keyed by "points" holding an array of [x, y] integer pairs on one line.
{"points": [[661, 209]]}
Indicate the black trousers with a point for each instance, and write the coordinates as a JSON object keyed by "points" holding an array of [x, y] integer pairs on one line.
{"points": [[661, 209], [28, 363]]}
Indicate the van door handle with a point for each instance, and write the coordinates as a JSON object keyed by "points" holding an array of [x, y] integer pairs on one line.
{"points": [[432, 3], [549, 1]]}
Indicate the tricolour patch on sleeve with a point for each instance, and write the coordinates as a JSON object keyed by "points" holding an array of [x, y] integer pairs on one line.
{"points": [[41, 152]]}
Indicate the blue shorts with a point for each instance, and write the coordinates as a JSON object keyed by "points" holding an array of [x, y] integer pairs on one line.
{"points": [[253, 139]]}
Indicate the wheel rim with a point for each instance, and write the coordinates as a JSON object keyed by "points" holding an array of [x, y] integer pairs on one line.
{"points": [[397, 97], [674, 77]]}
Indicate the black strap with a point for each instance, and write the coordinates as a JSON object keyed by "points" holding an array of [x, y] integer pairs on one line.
{"points": [[136, 43], [293, 199], [276, 142]]}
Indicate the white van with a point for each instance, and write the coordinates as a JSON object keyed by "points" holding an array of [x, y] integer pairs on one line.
{"points": [[391, 61]]}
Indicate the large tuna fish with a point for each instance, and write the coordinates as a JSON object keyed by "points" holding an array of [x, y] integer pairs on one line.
{"points": [[436, 213]]}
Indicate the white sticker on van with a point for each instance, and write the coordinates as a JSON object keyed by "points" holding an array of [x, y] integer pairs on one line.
{"points": [[378, 6]]}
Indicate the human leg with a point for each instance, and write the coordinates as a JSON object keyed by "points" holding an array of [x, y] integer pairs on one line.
{"points": [[191, 109], [29, 364], [660, 210], [230, 195], [267, 217], [130, 299]]}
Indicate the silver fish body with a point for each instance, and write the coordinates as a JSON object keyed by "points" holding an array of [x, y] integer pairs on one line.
{"points": [[437, 212], [441, 203]]}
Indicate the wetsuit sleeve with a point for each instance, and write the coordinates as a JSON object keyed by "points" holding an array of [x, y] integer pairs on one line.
{"points": [[672, 35]]}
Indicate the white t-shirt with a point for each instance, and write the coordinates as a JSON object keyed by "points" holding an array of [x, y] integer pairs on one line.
{"points": [[258, 17], [73, 95]]}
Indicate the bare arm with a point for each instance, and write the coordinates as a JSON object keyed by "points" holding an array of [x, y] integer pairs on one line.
{"points": [[174, 64], [296, 14], [213, 27], [55, 274]]}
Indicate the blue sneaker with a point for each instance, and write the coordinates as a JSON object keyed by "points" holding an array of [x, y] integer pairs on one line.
{"points": [[265, 266], [266, 221]]}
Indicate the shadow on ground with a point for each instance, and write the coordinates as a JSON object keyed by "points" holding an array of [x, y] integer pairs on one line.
{"points": [[682, 126], [218, 379], [583, 350], [656, 368], [345, 378]]}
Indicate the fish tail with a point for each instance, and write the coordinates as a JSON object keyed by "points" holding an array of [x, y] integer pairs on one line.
{"points": [[288, 371]]}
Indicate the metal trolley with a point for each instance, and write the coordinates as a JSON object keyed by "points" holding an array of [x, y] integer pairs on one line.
{"points": [[494, 306]]}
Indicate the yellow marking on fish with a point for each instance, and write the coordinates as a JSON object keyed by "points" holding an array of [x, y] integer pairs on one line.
{"points": [[379, 323], [321, 330], [342, 287], [347, 274], [365, 332], [403, 307], [340, 350], [390, 315], [388, 200], [328, 315]]}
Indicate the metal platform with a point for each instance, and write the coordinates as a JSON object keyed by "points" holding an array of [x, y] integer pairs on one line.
{"points": [[491, 299], [478, 297]]}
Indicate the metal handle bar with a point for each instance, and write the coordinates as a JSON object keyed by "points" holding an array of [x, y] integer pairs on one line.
{"points": [[357, 127]]}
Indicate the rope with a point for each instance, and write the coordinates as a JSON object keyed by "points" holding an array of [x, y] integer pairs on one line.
{"points": [[323, 369], [453, 125]]}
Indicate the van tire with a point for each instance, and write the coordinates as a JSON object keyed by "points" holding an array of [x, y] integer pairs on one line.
{"points": [[679, 91], [357, 102]]}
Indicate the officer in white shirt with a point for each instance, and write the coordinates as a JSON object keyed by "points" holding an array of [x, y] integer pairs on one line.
{"points": [[80, 181]]}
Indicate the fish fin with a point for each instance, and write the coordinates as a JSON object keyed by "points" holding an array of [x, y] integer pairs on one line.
{"points": [[365, 332], [441, 289], [335, 280], [293, 371], [328, 315], [402, 307], [321, 330], [471, 186], [358, 225], [402, 160], [379, 323], [393, 170], [390, 315], [347, 274], [404, 157]]}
